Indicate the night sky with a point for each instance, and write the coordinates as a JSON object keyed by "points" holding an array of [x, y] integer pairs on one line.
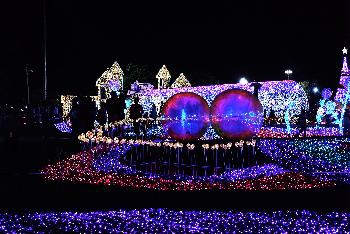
{"points": [[219, 42]]}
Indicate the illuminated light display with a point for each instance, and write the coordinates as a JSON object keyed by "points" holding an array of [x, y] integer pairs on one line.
{"points": [[326, 158], [111, 80], [275, 132], [66, 101], [174, 221], [82, 168], [181, 82], [277, 95], [236, 113], [163, 78], [185, 116], [63, 127], [272, 95]]}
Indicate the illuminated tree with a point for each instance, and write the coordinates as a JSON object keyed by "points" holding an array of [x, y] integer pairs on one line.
{"points": [[181, 82]]}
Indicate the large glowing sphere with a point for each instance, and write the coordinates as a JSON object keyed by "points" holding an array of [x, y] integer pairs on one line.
{"points": [[185, 116], [236, 114]]}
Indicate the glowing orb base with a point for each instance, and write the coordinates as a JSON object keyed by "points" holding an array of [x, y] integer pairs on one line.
{"points": [[185, 116], [237, 114]]}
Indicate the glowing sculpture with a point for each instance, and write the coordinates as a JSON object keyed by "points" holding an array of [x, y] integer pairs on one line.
{"points": [[181, 82], [337, 107], [110, 80], [236, 113], [163, 77], [185, 116]]}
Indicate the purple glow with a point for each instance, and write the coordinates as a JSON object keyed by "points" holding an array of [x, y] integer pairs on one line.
{"points": [[236, 113], [63, 127], [186, 116], [172, 221]]}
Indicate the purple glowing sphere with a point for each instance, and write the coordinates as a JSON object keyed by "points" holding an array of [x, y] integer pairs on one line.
{"points": [[236, 114], [185, 116]]}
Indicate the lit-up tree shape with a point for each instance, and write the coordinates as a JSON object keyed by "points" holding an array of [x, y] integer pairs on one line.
{"points": [[342, 97], [344, 79], [181, 82], [163, 77], [110, 80]]}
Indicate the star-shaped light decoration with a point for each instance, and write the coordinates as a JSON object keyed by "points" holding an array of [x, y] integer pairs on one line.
{"points": [[345, 51]]}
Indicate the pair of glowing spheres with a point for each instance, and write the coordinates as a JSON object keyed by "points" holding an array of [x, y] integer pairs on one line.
{"points": [[235, 114]]}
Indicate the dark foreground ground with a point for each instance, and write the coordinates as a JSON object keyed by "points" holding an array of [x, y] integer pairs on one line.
{"points": [[22, 188]]}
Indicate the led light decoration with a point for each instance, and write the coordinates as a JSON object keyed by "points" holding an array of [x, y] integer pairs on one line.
{"points": [[275, 132], [185, 116], [181, 82], [344, 79], [341, 98], [277, 95], [66, 101], [87, 167], [325, 158], [176, 221], [163, 77], [236, 113], [272, 96], [111, 80], [64, 127]]}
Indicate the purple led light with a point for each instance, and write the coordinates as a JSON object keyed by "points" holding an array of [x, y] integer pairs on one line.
{"points": [[165, 220]]}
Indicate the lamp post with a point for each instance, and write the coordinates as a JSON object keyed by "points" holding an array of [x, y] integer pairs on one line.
{"points": [[288, 72], [27, 79]]}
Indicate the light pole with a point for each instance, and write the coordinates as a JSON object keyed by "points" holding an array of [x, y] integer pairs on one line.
{"points": [[288, 72], [27, 79]]}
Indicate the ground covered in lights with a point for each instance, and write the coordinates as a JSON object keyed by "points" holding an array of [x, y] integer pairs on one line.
{"points": [[297, 164], [165, 220], [324, 158]]}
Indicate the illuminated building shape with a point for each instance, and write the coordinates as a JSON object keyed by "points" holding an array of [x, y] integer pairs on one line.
{"points": [[237, 114], [185, 116], [111, 80], [163, 77], [181, 82]]}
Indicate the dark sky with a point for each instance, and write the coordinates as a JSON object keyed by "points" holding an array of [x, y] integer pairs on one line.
{"points": [[217, 40]]}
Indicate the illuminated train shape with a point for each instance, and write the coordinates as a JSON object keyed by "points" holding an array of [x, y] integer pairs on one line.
{"points": [[234, 113]]}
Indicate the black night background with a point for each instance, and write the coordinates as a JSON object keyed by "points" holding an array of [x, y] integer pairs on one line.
{"points": [[209, 42]]}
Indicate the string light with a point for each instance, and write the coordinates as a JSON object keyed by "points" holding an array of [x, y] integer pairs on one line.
{"points": [[181, 82], [111, 80], [63, 127], [163, 77], [88, 167], [325, 157], [173, 221]]}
